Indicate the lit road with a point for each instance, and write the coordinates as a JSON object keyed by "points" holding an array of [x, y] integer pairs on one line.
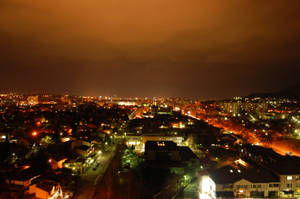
{"points": [[278, 143], [92, 177]]}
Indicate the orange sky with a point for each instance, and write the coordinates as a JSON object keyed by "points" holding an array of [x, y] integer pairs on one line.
{"points": [[182, 44]]}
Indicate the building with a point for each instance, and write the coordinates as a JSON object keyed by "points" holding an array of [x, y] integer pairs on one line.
{"points": [[77, 165], [206, 186], [46, 190], [161, 151], [21, 178], [166, 154], [242, 182], [288, 169], [138, 141], [290, 185], [33, 100]]}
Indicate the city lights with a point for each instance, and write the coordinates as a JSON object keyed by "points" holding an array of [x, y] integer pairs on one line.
{"points": [[150, 99], [197, 137]]}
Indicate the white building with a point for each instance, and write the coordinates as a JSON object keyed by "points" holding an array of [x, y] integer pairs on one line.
{"points": [[246, 189], [237, 182], [206, 186]]}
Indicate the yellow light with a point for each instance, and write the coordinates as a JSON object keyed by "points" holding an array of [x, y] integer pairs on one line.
{"points": [[70, 131]]}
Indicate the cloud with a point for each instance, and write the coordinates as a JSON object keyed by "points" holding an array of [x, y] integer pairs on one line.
{"points": [[174, 47]]}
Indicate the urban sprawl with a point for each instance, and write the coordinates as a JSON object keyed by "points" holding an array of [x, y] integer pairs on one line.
{"points": [[64, 146]]}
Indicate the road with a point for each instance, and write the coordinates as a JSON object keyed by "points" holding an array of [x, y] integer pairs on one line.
{"points": [[278, 143], [109, 187], [91, 177]]}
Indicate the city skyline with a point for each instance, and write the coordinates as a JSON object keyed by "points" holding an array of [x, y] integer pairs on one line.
{"points": [[208, 50], [157, 99]]}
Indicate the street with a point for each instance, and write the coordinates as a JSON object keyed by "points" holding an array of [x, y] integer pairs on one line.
{"points": [[92, 177]]}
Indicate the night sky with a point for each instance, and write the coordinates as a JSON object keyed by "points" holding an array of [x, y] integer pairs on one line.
{"points": [[192, 48]]}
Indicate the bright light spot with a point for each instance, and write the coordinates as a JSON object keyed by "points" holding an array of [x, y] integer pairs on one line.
{"points": [[70, 131], [161, 144], [176, 109], [241, 162], [207, 188], [127, 103], [66, 139]]}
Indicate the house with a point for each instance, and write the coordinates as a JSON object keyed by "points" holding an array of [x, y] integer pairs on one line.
{"points": [[287, 168], [242, 182], [22, 178], [46, 190], [83, 150], [77, 165]]}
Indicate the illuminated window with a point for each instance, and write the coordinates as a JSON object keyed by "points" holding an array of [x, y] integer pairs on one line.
{"points": [[289, 177]]}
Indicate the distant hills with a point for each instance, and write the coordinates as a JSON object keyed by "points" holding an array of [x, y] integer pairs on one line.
{"points": [[291, 93]]}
